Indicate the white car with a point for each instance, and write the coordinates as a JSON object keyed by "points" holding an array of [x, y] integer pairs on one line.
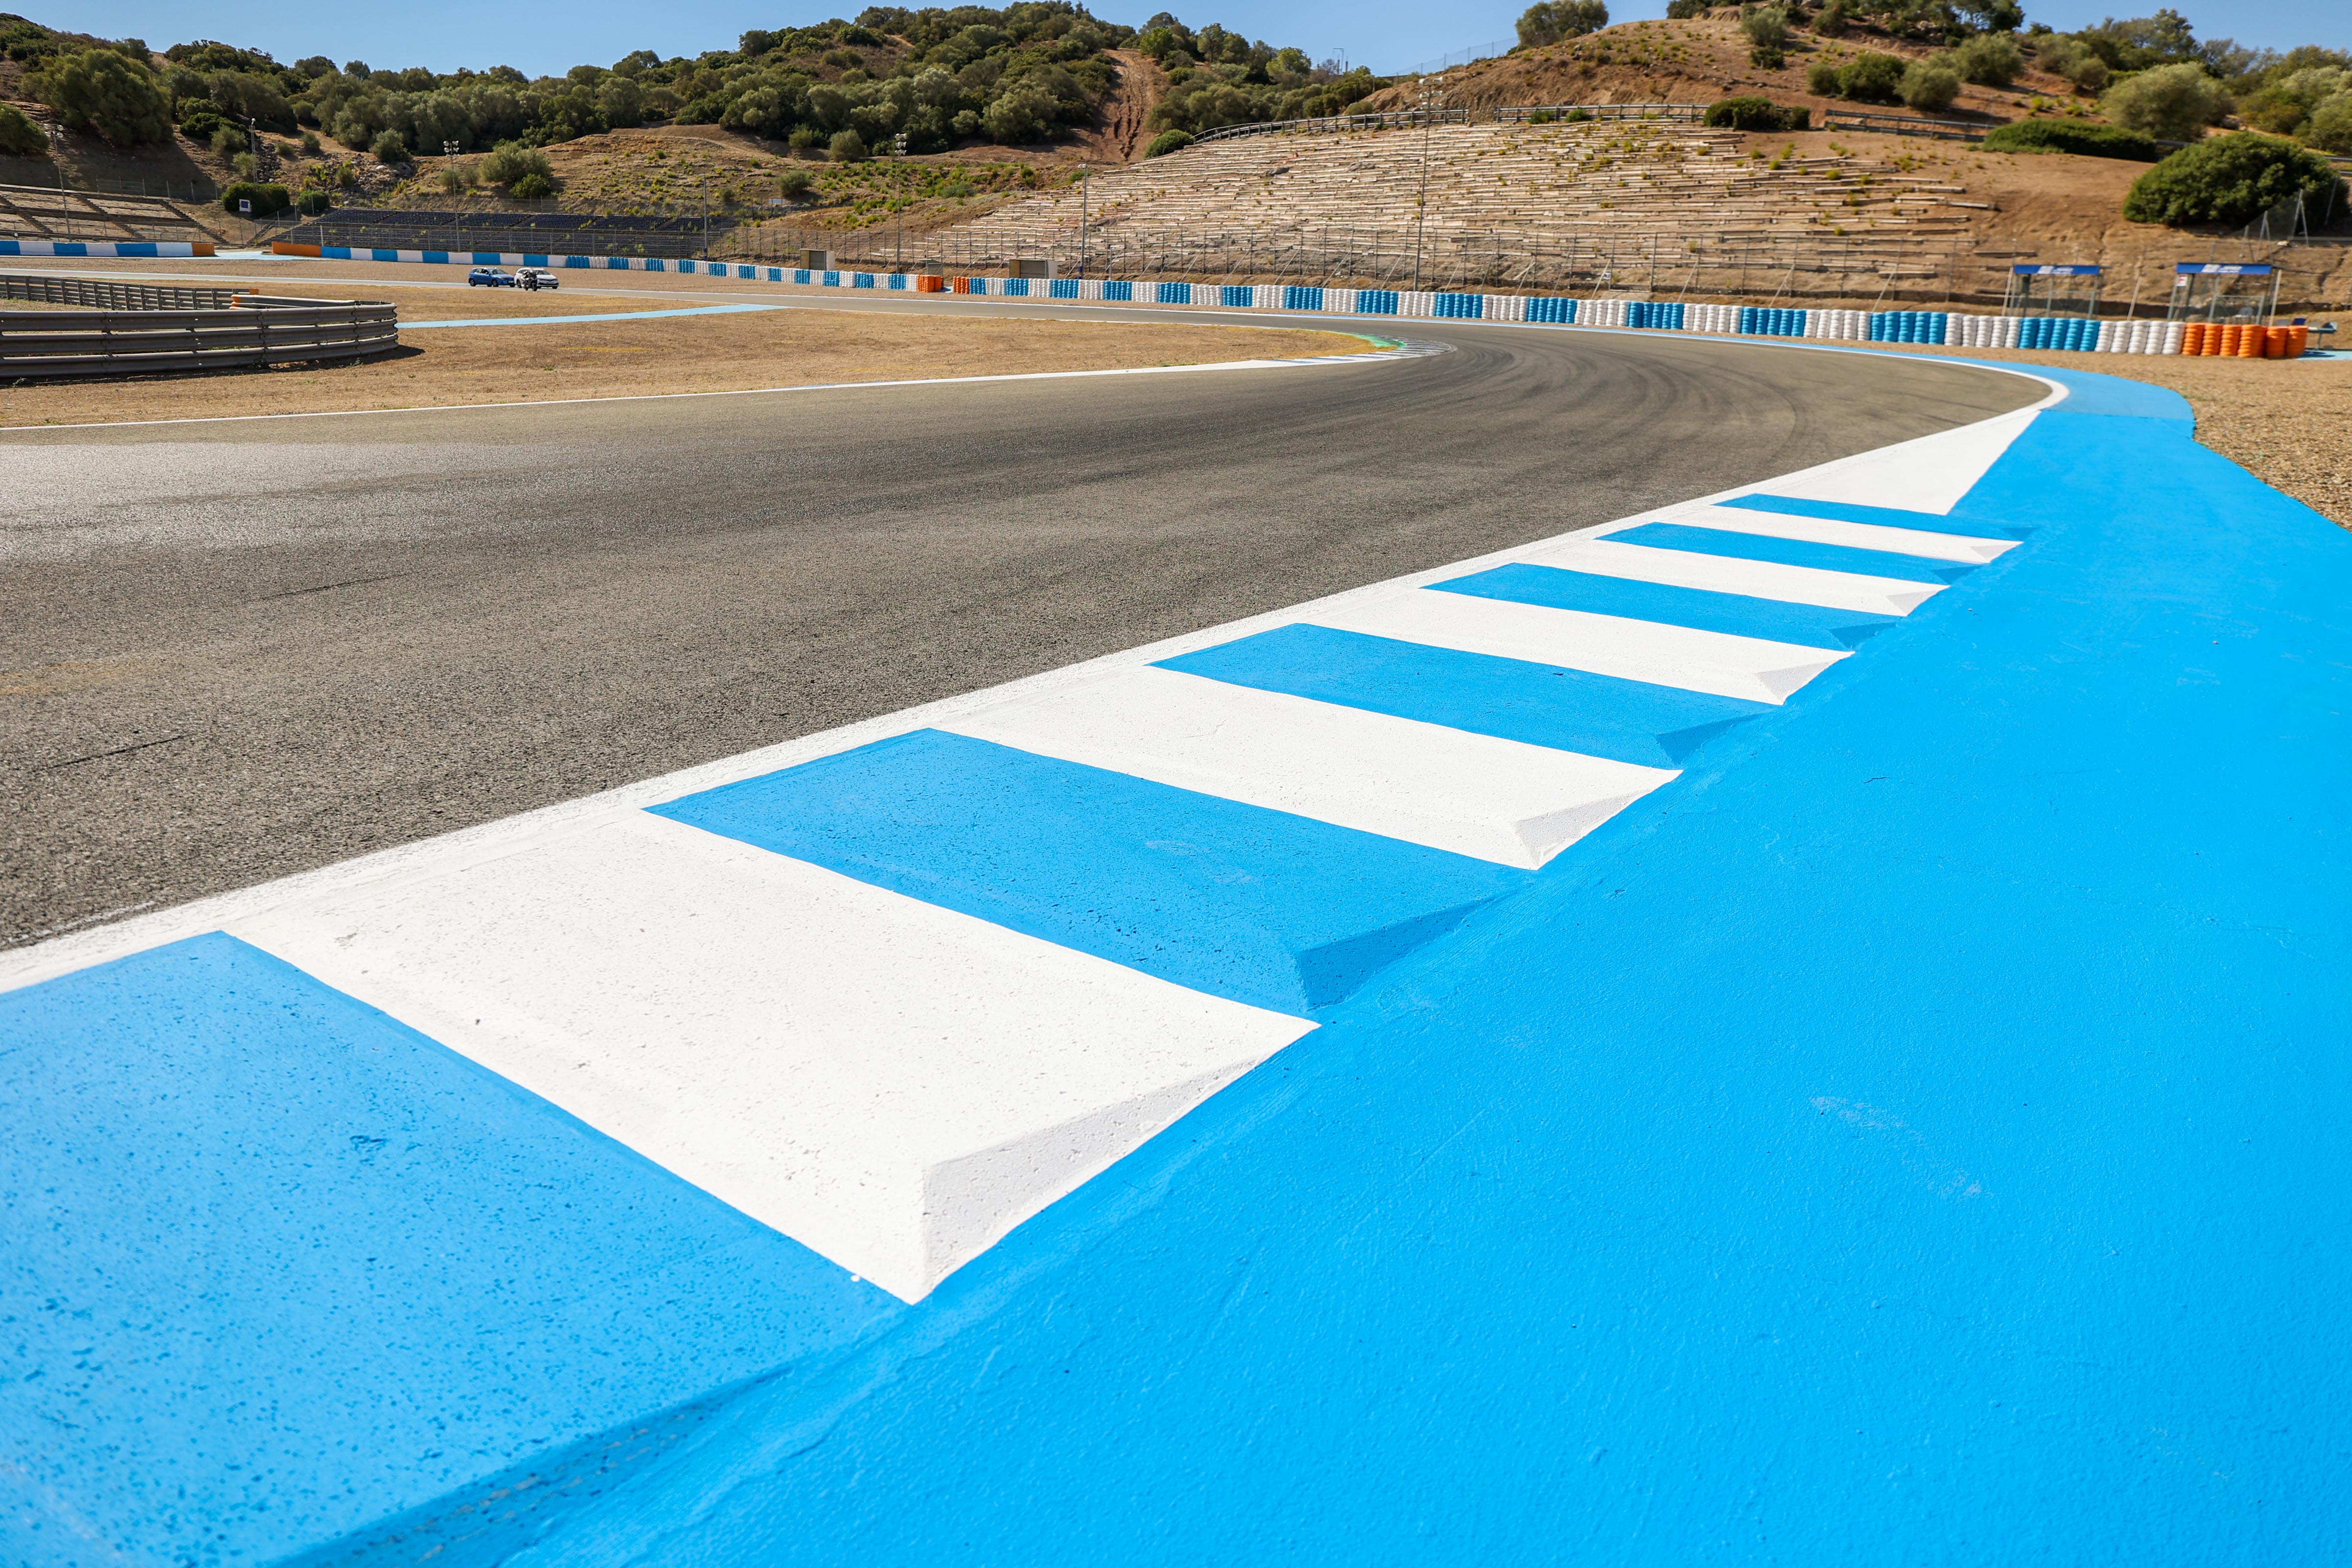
{"points": [[537, 277]]}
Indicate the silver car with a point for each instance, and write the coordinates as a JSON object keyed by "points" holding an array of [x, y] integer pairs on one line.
{"points": [[537, 277]]}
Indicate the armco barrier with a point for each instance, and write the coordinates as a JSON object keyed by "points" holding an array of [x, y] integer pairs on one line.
{"points": [[105, 247], [1950, 329]]}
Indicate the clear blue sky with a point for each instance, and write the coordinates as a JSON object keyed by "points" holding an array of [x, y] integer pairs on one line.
{"points": [[1386, 34]]}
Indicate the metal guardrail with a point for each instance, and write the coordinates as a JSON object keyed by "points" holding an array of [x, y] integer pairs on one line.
{"points": [[1677, 113], [256, 331], [1903, 125], [1395, 120], [44, 289]]}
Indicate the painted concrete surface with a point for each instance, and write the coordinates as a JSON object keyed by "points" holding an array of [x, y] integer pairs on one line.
{"points": [[606, 316], [1910, 1112]]}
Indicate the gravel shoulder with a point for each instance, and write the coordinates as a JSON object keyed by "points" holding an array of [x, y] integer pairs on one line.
{"points": [[795, 345]]}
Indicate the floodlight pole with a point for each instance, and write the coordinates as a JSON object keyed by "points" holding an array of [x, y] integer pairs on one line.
{"points": [[1433, 92], [1086, 186], [899, 245]]}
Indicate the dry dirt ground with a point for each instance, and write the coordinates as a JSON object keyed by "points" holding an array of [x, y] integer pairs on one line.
{"points": [[796, 346], [2288, 422]]}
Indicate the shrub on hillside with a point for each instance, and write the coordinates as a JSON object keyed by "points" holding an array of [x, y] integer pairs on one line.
{"points": [[266, 199], [511, 163], [849, 147], [2172, 103], [1872, 77], [1755, 113], [1989, 59], [1168, 142], [2231, 180], [310, 204], [1767, 26], [2088, 138], [1832, 20], [532, 187], [1683, 10], [227, 141], [1549, 21], [390, 148], [793, 183], [1822, 77], [19, 137], [1929, 86], [2331, 128], [107, 92], [805, 140], [2074, 59]]}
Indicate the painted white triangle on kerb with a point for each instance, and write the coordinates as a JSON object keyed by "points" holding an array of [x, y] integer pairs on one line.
{"points": [[1931, 474]]}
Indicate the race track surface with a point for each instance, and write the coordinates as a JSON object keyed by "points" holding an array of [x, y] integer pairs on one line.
{"points": [[240, 649]]}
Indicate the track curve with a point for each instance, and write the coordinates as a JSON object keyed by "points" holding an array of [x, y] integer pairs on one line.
{"points": [[248, 648]]}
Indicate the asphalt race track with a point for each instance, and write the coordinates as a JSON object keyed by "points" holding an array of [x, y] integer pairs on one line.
{"points": [[241, 650]]}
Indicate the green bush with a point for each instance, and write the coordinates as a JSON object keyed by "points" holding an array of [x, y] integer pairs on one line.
{"points": [[849, 147], [807, 138], [511, 163], [1168, 142], [106, 92], [1872, 77], [2231, 180], [227, 141], [793, 183], [1549, 21], [1683, 10], [1755, 115], [266, 199], [389, 148], [2331, 127], [2088, 138], [1833, 20], [2171, 103], [1767, 27], [313, 203], [1822, 77], [2074, 59], [1929, 86], [19, 137], [1989, 59], [532, 187]]}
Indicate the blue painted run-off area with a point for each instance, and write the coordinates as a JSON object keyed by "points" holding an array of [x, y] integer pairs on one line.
{"points": [[1916, 1135]]}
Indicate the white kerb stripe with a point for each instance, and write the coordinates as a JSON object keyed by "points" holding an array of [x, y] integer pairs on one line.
{"points": [[1931, 473], [1649, 651], [1474, 795], [1854, 536], [892, 1084], [1730, 574]]}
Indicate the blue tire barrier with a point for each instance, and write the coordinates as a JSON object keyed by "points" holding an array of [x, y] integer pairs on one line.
{"points": [[1119, 292], [1302, 297], [1459, 307], [1062, 288], [861, 281], [1174, 293], [1016, 288], [1377, 301], [1233, 296], [1559, 312]]}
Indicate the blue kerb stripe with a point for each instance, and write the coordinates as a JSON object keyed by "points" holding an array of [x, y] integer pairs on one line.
{"points": [[1570, 710], [366, 1210], [1808, 625], [1236, 900], [1885, 517], [1734, 546]]}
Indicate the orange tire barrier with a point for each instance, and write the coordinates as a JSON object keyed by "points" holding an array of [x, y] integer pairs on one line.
{"points": [[960, 285], [2250, 343], [280, 248], [2274, 342], [2192, 341], [929, 283], [2298, 339]]}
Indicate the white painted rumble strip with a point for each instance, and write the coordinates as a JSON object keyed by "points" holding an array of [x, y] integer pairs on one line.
{"points": [[1649, 651], [1474, 795], [892, 1084], [1730, 574], [1929, 474], [1916, 541]]}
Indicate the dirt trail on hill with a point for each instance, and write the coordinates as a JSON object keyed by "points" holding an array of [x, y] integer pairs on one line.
{"points": [[1117, 134]]}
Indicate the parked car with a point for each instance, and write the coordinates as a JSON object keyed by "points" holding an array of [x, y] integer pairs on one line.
{"points": [[490, 277], [537, 277]]}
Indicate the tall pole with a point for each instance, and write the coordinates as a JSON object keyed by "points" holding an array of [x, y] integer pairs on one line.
{"points": [[1085, 187], [897, 188], [1433, 92]]}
